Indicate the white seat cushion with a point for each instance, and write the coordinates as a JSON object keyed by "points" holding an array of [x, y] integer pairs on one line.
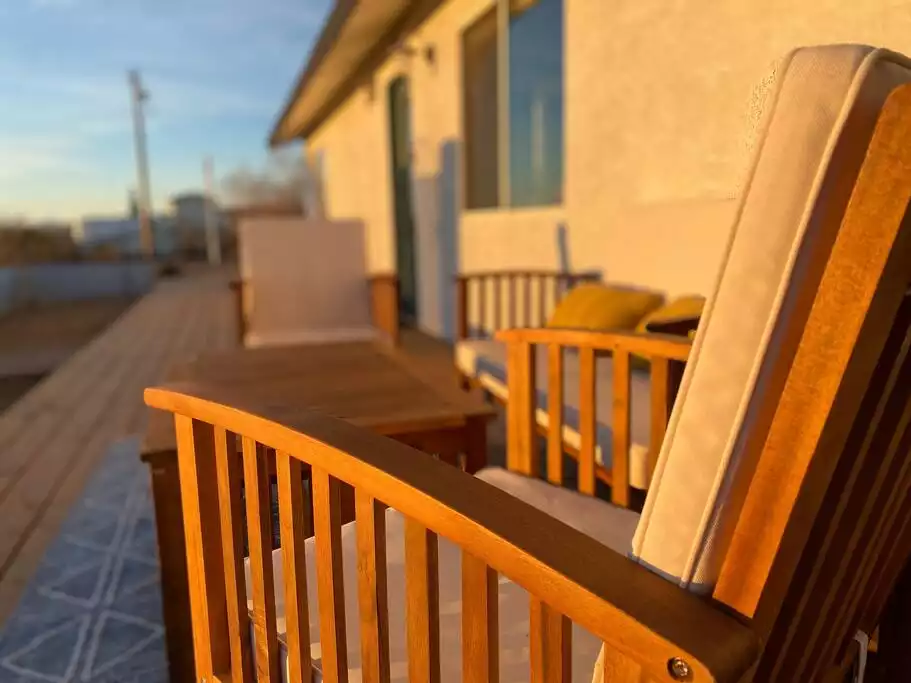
{"points": [[301, 337], [485, 360], [607, 524], [692, 505]]}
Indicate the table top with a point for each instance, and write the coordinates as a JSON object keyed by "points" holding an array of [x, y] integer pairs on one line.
{"points": [[369, 384]]}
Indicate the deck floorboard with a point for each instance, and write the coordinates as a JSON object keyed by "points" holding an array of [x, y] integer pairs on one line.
{"points": [[54, 436]]}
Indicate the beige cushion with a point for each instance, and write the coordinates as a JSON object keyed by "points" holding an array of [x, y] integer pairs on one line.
{"points": [[688, 518], [611, 526], [307, 281], [485, 360]]}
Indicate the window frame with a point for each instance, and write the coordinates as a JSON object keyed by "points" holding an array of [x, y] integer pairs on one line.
{"points": [[503, 10]]}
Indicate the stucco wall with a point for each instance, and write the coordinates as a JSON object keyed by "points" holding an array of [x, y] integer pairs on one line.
{"points": [[662, 103]]}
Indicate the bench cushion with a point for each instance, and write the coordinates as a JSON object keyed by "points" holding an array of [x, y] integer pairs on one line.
{"points": [[597, 306], [485, 360], [611, 526]]}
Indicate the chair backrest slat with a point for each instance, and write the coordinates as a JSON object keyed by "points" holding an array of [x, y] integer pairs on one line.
{"points": [[327, 526], [542, 301], [550, 644], [480, 622], [205, 562], [422, 602], [587, 402], [620, 428], [482, 304], [259, 534], [526, 301], [521, 455], [372, 587], [497, 301], [230, 502], [292, 511], [511, 293], [555, 414]]}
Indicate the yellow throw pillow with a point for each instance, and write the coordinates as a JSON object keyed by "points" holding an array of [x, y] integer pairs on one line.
{"points": [[682, 308], [594, 306]]}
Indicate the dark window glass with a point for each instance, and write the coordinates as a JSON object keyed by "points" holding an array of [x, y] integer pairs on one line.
{"points": [[536, 102], [479, 53]]}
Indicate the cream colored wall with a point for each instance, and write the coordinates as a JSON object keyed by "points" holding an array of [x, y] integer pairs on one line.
{"points": [[356, 173], [662, 103]]}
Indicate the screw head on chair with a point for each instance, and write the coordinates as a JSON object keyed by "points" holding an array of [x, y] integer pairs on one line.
{"points": [[679, 669]]}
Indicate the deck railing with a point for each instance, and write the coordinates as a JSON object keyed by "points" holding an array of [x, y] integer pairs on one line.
{"points": [[228, 441]]}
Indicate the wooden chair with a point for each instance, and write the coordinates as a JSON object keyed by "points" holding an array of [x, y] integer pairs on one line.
{"points": [[778, 521], [305, 281]]}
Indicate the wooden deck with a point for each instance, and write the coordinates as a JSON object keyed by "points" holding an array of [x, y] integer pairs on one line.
{"points": [[52, 438]]}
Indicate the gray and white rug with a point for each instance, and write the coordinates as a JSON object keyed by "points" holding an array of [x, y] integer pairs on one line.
{"points": [[92, 612]]}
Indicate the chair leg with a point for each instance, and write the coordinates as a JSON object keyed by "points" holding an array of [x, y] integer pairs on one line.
{"points": [[475, 445]]}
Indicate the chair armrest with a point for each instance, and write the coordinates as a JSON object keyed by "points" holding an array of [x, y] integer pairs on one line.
{"points": [[633, 610], [647, 344]]}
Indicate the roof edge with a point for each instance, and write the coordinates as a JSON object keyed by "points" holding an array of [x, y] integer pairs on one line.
{"points": [[408, 21], [327, 37]]}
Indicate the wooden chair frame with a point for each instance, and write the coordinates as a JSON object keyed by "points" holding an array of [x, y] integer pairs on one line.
{"points": [[496, 292], [667, 355], [823, 533]]}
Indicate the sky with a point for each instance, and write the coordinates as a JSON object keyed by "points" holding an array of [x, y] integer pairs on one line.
{"points": [[218, 72]]}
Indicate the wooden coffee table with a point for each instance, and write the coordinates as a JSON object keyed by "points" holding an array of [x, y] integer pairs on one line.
{"points": [[368, 384]]}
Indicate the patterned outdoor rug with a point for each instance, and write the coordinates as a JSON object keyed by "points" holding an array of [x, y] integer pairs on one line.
{"points": [[92, 612]]}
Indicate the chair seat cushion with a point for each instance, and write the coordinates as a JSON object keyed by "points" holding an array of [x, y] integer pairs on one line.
{"points": [[485, 360], [604, 522]]}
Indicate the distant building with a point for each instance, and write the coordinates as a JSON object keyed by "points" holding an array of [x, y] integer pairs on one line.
{"points": [[189, 211]]}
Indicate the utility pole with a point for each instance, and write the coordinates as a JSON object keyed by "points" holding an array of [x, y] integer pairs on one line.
{"points": [[213, 237], [138, 97]]}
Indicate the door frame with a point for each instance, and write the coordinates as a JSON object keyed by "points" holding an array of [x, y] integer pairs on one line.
{"points": [[404, 227]]}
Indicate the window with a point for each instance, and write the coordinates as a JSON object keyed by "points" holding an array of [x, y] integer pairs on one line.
{"points": [[516, 159]]}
